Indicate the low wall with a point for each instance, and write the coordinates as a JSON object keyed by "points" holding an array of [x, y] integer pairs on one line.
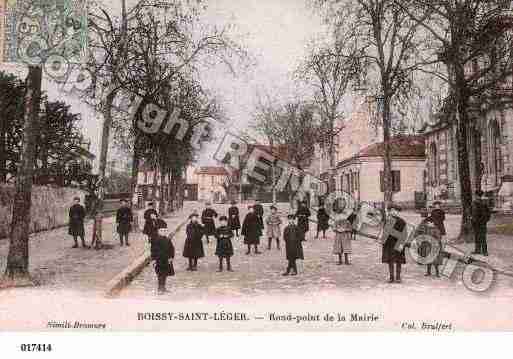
{"points": [[49, 207]]}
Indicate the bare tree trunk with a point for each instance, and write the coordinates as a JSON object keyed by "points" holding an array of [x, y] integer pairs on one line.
{"points": [[162, 206], [387, 158], [466, 230], [155, 180], [17, 273], [3, 133], [170, 203]]}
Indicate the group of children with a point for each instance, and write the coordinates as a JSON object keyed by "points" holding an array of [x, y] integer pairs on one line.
{"points": [[293, 235]]}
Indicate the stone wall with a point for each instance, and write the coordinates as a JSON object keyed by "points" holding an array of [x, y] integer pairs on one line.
{"points": [[49, 207]]}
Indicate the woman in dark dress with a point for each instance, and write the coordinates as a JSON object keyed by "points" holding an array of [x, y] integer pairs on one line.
{"points": [[293, 246], [303, 218], [193, 246], [390, 255], [224, 248], [77, 215], [150, 217], [233, 218], [207, 218], [322, 222], [251, 230]]}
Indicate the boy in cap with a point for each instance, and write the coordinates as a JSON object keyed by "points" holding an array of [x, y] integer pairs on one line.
{"points": [[273, 222], [224, 248], [124, 220], [293, 246], [150, 217], [162, 252], [207, 218], [233, 218], [390, 255]]}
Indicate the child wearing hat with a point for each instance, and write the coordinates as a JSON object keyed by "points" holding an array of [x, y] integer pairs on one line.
{"points": [[342, 243], [389, 254], [162, 252], [293, 247], [233, 218], [193, 246], [273, 222], [207, 218], [77, 215], [224, 248]]}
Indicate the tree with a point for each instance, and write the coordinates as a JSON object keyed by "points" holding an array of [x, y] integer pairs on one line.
{"points": [[472, 38], [330, 70], [17, 273], [389, 43]]}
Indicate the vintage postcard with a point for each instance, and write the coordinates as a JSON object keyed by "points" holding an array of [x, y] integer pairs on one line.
{"points": [[223, 165]]}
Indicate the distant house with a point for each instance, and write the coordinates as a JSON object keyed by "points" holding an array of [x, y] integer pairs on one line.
{"points": [[362, 174], [209, 182]]}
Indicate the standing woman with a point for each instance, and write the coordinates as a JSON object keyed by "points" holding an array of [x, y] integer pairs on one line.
{"points": [[76, 229], [233, 218], [303, 218], [322, 222], [251, 230], [207, 218], [193, 246], [150, 217]]}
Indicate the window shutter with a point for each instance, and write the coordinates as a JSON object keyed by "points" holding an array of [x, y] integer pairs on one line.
{"points": [[381, 181], [396, 181]]}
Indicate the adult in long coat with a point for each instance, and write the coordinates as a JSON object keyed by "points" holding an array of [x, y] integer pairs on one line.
{"points": [[150, 217], [251, 230], [124, 220], [207, 218], [193, 246], [77, 215], [293, 246], [233, 218], [438, 217], [303, 218], [480, 217], [322, 222]]}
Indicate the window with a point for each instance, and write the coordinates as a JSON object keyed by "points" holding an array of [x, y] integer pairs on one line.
{"points": [[396, 181], [433, 165], [495, 158]]}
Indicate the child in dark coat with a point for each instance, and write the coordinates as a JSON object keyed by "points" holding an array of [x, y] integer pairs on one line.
{"points": [[207, 218], [193, 246], [233, 218], [251, 230], [293, 247], [77, 215], [162, 252], [224, 247]]}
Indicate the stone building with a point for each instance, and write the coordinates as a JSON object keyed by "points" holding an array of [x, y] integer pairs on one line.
{"points": [[361, 175]]}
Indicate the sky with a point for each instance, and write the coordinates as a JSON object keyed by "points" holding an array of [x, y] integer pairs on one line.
{"points": [[275, 33]]}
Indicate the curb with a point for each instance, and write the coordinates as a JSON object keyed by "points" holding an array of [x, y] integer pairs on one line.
{"points": [[123, 279]]}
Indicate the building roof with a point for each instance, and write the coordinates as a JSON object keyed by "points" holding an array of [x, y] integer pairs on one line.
{"points": [[400, 147], [211, 171]]}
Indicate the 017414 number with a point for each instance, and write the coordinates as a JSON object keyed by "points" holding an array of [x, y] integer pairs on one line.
{"points": [[36, 347]]}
